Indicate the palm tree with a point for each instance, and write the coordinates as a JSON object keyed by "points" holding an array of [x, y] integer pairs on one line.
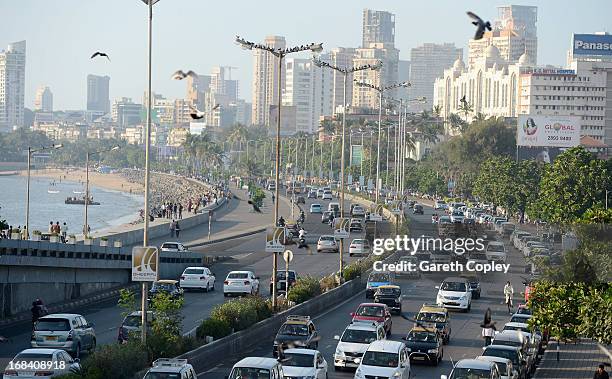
{"points": [[457, 123], [465, 107], [479, 117]]}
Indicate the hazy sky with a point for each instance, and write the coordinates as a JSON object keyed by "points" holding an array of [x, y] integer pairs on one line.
{"points": [[198, 34]]}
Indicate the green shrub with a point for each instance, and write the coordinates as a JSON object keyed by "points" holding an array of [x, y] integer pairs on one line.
{"points": [[304, 289], [351, 271], [114, 361], [262, 307], [328, 283], [213, 327], [237, 313]]}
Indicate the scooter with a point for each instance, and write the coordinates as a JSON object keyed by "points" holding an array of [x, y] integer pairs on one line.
{"points": [[302, 242]]}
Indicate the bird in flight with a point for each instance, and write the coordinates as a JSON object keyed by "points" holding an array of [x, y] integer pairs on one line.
{"points": [[217, 106], [195, 113], [180, 75], [100, 54], [482, 26]]}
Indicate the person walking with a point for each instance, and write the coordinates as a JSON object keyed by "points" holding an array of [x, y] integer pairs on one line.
{"points": [[601, 373], [508, 294], [488, 328], [273, 198], [177, 229], [172, 229], [180, 210], [64, 233], [50, 226]]}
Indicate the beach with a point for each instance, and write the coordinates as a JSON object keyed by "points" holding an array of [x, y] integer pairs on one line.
{"points": [[112, 181]]}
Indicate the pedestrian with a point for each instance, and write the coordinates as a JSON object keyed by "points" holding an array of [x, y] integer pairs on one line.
{"points": [[601, 372], [172, 229], [178, 229], [58, 228], [64, 232], [488, 328], [50, 226], [508, 294], [272, 198], [24, 234], [180, 210]]}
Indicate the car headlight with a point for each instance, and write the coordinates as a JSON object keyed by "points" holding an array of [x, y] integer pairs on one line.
{"points": [[339, 352], [463, 297], [397, 374], [432, 351], [409, 349]]}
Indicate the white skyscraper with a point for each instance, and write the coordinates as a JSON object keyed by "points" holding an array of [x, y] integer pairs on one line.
{"points": [[265, 80], [12, 85], [44, 100]]}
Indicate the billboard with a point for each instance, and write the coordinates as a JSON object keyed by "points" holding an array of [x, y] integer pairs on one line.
{"points": [[275, 238], [145, 264], [592, 44], [548, 131], [356, 154], [540, 154]]}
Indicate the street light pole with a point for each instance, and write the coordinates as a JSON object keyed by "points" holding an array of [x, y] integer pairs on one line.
{"points": [[87, 157], [30, 152]]}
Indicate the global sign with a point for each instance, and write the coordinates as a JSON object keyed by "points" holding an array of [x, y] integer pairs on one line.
{"points": [[592, 44], [548, 131]]}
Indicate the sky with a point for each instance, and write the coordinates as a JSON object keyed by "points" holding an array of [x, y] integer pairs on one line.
{"points": [[61, 35]]}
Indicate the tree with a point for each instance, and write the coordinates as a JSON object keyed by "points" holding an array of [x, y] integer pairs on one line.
{"points": [[456, 123]]}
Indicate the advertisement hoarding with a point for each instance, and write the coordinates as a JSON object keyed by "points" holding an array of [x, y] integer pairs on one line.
{"points": [[145, 264], [592, 44], [275, 237], [356, 154], [341, 227], [548, 131]]}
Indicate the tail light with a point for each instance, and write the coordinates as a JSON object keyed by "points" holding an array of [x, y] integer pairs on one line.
{"points": [[44, 373], [70, 335], [226, 282], [353, 246], [246, 282], [182, 277], [10, 372]]}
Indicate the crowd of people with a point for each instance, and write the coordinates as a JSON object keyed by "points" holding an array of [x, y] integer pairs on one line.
{"points": [[54, 229]]}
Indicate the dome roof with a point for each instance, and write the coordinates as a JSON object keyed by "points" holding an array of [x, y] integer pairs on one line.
{"points": [[525, 59], [459, 65], [492, 52]]}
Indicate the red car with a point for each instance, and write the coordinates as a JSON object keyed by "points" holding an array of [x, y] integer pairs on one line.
{"points": [[375, 312]]}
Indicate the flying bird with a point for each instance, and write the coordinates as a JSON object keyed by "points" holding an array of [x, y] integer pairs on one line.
{"points": [[195, 113], [180, 75], [482, 26], [217, 106], [100, 54]]}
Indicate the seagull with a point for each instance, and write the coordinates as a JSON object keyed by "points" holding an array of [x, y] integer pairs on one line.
{"points": [[217, 106], [482, 26], [100, 54], [180, 75], [195, 113]]}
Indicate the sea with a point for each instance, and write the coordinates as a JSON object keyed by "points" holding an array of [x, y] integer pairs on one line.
{"points": [[116, 208]]}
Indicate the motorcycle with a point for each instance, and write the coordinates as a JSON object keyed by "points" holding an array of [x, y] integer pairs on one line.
{"points": [[302, 242]]}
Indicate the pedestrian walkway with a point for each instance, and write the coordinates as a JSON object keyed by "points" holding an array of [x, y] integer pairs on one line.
{"points": [[576, 360]]}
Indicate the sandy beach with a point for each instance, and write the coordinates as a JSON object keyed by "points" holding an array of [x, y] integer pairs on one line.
{"points": [[115, 181]]}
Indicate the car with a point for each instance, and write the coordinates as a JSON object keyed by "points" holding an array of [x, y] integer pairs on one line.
{"points": [[423, 255], [520, 317], [454, 293], [433, 315], [312, 194], [358, 211], [257, 367], [170, 287], [325, 216], [440, 205], [320, 193], [354, 342], [374, 312], [473, 369], [444, 220], [391, 296], [425, 344], [173, 247], [496, 251], [197, 278], [304, 363], [477, 256], [67, 331], [241, 282], [327, 195], [297, 331], [384, 359], [335, 208], [41, 364], [356, 226], [271, 185], [170, 368], [536, 336], [509, 352], [281, 281], [359, 246], [412, 260], [375, 280], [417, 209], [457, 216], [316, 208], [300, 200], [327, 243], [474, 281], [439, 256], [132, 324], [504, 365], [521, 340]]}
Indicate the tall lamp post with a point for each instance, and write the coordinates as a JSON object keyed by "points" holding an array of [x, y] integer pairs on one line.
{"points": [[30, 152], [280, 54], [89, 154], [380, 90]]}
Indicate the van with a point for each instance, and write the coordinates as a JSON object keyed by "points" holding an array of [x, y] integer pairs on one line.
{"points": [[334, 207]]}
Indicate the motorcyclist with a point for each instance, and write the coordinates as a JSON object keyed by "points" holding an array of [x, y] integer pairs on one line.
{"points": [[508, 294], [302, 216], [302, 233], [281, 221]]}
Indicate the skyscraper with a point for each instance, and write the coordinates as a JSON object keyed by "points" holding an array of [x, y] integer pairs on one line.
{"points": [[44, 100], [514, 33], [265, 80], [97, 93], [126, 113], [342, 57], [378, 27], [12, 85], [428, 62]]}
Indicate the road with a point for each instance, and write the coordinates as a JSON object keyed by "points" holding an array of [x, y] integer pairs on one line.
{"points": [[465, 342], [246, 253]]}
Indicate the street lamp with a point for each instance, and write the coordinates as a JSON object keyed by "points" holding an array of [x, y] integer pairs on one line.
{"points": [[280, 54], [30, 152], [89, 154], [380, 90]]}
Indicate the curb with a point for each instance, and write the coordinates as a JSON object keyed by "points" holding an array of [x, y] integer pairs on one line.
{"points": [[223, 239]]}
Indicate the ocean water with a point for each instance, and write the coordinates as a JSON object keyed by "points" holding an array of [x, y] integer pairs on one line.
{"points": [[115, 207]]}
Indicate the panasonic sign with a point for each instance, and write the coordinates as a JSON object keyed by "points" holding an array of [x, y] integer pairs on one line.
{"points": [[592, 44]]}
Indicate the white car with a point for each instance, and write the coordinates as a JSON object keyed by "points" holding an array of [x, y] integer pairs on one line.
{"points": [[496, 251], [170, 368], [359, 246], [473, 368], [174, 247], [455, 293], [440, 205], [327, 195], [358, 211], [385, 359], [504, 365], [327, 243], [304, 363], [59, 363], [241, 282], [316, 208], [320, 192], [354, 342], [197, 277], [457, 216]]}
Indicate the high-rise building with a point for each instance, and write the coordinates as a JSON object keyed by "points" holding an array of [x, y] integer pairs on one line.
{"points": [[265, 80], [514, 33], [341, 57], [196, 87], [97, 93], [428, 62], [12, 85], [403, 75], [44, 100], [219, 84], [388, 74], [126, 113], [378, 27]]}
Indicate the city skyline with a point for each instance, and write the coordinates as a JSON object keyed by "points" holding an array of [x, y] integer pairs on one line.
{"points": [[179, 47]]}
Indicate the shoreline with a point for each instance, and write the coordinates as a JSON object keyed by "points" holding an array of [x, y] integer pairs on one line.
{"points": [[113, 181]]}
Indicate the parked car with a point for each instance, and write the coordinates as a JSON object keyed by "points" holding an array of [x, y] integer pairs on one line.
{"points": [[327, 243], [509, 352], [304, 363], [297, 331], [316, 208], [57, 363], [521, 340], [473, 368], [173, 247], [359, 246], [384, 359], [504, 365], [241, 282], [197, 278], [66, 331]]}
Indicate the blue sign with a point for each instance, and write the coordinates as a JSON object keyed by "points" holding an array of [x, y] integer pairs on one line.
{"points": [[592, 44]]}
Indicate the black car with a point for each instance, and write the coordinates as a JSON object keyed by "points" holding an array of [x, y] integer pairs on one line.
{"points": [[296, 332], [474, 281], [282, 282], [300, 200], [391, 296], [170, 287], [417, 209], [425, 345], [356, 226]]}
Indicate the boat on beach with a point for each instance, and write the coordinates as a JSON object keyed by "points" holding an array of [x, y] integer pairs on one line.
{"points": [[81, 201], [52, 188]]}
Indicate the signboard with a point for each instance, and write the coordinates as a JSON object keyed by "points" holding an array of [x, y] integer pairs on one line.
{"points": [[592, 44], [547, 71], [540, 154], [376, 213], [548, 131], [370, 184], [145, 264], [341, 227], [356, 154], [361, 180], [288, 256], [275, 237], [349, 179]]}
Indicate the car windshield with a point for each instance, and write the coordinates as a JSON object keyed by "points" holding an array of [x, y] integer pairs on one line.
{"points": [[163, 286], [327, 238], [453, 286], [238, 275], [132, 321], [358, 242], [431, 317], [162, 375], [457, 213], [395, 292], [444, 220], [249, 373], [421, 337], [32, 357], [281, 275], [294, 330], [169, 246], [495, 247], [298, 360], [517, 318], [370, 311], [359, 336], [517, 328], [470, 373], [52, 325], [194, 271], [380, 358], [315, 206], [378, 277], [502, 353], [497, 341]]}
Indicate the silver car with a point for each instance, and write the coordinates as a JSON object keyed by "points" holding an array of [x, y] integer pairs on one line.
{"points": [[66, 331]]}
